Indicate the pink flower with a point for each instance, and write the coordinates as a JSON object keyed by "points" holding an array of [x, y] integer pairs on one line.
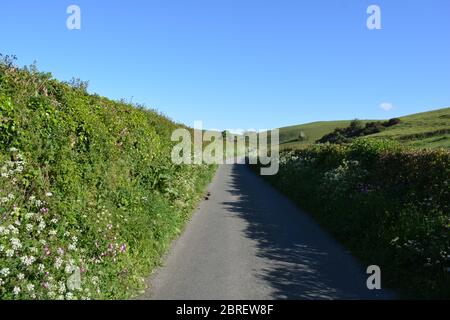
{"points": [[44, 210], [122, 247], [46, 251]]}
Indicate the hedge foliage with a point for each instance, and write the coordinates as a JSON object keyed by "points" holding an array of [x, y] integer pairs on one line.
{"points": [[389, 205], [89, 198]]}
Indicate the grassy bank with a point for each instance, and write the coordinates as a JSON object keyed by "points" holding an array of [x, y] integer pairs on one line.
{"points": [[89, 197], [422, 130], [388, 204]]}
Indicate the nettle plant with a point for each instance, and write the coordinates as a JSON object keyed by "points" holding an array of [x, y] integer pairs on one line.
{"points": [[40, 254]]}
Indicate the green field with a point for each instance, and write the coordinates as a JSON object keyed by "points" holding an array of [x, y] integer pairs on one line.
{"points": [[428, 129]]}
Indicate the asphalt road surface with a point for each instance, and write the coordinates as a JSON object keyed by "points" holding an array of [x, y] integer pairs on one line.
{"points": [[247, 241]]}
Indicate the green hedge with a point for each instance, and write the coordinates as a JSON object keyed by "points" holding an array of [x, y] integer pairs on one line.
{"points": [[387, 204], [86, 185]]}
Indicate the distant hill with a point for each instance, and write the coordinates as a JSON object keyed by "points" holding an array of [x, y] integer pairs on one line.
{"points": [[289, 136], [427, 129]]}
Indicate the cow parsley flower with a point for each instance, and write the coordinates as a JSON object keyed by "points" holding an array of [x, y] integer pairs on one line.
{"points": [[15, 243], [29, 215], [4, 272], [27, 260], [58, 262], [16, 290]]}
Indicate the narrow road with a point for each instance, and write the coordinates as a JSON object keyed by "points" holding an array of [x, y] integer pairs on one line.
{"points": [[250, 242]]}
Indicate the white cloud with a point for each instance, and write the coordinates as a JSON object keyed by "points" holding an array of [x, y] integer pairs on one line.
{"points": [[386, 106]]}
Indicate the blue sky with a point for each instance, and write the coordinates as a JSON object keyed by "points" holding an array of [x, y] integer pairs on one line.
{"points": [[244, 63]]}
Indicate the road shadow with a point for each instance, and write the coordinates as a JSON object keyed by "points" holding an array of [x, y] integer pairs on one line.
{"points": [[304, 263]]}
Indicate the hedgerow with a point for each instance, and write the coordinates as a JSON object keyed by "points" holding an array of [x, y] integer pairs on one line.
{"points": [[389, 205], [89, 197]]}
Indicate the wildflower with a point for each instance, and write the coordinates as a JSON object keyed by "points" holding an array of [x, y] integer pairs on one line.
{"points": [[52, 232], [72, 247], [29, 215], [20, 276], [29, 227], [4, 231], [62, 287], [41, 267], [2, 248], [30, 287], [27, 261], [47, 251], [16, 290], [4, 272], [15, 243], [60, 251], [49, 194], [54, 221], [44, 210], [68, 268], [41, 226], [122, 247], [9, 253], [58, 262], [13, 229]]}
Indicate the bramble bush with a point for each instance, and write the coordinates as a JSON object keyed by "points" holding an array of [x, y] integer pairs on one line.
{"points": [[389, 205], [89, 197]]}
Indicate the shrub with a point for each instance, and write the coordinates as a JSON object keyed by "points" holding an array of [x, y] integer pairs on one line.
{"points": [[88, 188], [356, 129], [389, 205]]}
